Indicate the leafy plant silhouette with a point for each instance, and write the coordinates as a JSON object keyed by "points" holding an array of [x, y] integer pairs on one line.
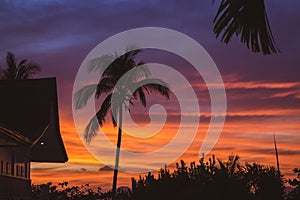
{"points": [[295, 183], [18, 71], [211, 180]]}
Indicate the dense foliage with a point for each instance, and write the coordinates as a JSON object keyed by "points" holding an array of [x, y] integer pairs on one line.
{"points": [[295, 183], [84, 192], [211, 180]]}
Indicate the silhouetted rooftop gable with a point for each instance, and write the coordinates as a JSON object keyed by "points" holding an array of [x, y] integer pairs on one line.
{"points": [[12, 136], [30, 108]]}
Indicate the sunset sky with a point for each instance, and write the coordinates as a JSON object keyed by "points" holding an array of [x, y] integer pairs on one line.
{"points": [[263, 92]]}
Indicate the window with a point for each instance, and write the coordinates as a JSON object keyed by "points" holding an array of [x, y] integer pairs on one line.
{"points": [[2, 167], [26, 170], [17, 170], [8, 168], [21, 171]]}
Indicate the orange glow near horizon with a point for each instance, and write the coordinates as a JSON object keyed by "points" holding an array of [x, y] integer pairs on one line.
{"points": [[250, 139]]}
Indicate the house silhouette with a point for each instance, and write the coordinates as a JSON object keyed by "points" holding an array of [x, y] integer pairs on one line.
{"points": [[29, 132]]}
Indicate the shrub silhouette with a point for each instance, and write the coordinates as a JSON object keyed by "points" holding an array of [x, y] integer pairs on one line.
{"points": [[295, 183], [62, 191], [84, 192], [211, 180]]}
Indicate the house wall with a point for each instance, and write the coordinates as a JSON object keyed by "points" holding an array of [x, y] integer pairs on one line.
{"points": [[14, 173], [14, 161], [15, 188]]}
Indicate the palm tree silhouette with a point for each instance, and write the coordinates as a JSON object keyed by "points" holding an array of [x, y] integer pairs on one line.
{"points": [[116, 82], [247, 19], [18, 71]]}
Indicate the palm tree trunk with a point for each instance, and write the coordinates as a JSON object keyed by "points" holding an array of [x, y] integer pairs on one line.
{"points": [[116, 170]]}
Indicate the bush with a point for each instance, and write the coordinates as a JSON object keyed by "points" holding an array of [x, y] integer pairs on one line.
{"points": [[211, 180]]}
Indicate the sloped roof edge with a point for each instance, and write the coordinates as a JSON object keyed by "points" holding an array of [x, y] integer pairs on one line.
{"points": [[15, 136]]}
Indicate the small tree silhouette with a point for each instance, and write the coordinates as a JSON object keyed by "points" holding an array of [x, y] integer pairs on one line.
{"points": [[18, 71]]}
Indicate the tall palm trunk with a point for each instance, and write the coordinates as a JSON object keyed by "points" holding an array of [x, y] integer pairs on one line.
{"points": [[116, 170]]}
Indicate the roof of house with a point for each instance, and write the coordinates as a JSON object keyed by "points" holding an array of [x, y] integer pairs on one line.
{"points": [[11, 138], [30, 108]]}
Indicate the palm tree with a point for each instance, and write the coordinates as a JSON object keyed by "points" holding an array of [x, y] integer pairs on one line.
{"points": [[18, 71], [247, 19], [134, 85]]}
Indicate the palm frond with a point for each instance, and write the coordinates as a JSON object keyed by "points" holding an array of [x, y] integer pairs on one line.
{"points": [[153, 85], [104, 86], [222, 166], [11, 60], [25, 71], [33, 68], [1, 73], [22, 62], [248, 20], [105, 107], [129, 55], [82, 96], [125, 63], [100, 63], [234, 164], [92, 127], [141, 95], [150, 85], [10, 71], [141, 71]]}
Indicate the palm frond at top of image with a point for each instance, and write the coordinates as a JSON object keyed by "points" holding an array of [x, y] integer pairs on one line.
{"points": [[248, 20]]}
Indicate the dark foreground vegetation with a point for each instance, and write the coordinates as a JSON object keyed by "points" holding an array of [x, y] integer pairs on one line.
{"points": [[210, 180]]}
